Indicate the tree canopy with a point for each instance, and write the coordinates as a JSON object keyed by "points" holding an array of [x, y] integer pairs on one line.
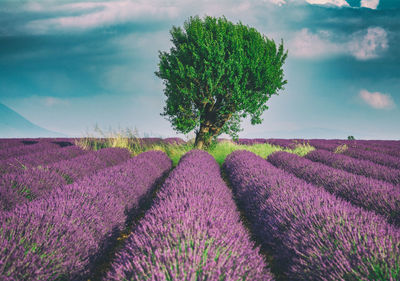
{"points": [[217, 73]]}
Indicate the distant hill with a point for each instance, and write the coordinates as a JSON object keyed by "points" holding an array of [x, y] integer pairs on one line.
{"points": [[13, 125]]}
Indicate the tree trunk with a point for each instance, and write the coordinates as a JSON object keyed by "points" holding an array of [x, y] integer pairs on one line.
{"points": [[202, 137], [208, 130]]}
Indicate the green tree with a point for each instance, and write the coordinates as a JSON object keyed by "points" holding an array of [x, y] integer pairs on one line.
{"points": [[217, 73]]}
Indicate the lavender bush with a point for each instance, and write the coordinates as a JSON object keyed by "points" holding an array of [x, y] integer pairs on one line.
{"points": [[29, 184], [287, 143], [373, 156], [7, 143], [243, 141], [355, 166], [17, 188], [312, 234], [192, 232], [371, 194], [59, 236], [25, 149], [385, 147], [18, 163], [329, 145], [89, 163]]}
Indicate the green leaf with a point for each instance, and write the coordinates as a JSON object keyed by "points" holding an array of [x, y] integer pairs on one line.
{"points": [[215, 69]]}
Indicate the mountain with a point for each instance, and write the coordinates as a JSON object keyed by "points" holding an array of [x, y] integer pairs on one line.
{"points": [[13, 125]]}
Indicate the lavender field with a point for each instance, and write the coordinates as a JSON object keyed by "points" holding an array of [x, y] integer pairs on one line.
{"points": [[92, 212]]}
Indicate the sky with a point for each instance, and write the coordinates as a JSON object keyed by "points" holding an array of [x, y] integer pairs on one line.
{"points": [[68, 66]]}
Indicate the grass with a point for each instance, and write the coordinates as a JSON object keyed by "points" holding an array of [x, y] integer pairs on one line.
{"points": [[219, 151], [223, 149]]}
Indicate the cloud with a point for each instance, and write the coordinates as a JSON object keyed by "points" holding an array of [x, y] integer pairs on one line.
{"points": [[276, 2], [363, 45], [369, 45], [372, 4], [82, 16], [306, 44], [95, 14], [339, 3], [377, 100]]}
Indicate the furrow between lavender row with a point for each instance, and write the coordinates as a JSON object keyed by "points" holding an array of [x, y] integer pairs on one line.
{"points": [[312, 234], [192, 231], [59, 237]]}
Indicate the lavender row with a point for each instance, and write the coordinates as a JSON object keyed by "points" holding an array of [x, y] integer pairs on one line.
{"points": [[311, 234], [378, 144], [244, 141], [78, 167], [329, 145], [192, 232], [373, 156], [7, 143], [286, 143], [381, 152], [18, 163], [24, 149], [59, 237], [394, 150], [20, 187], [375, 146], [360, 167], [371, 194]]}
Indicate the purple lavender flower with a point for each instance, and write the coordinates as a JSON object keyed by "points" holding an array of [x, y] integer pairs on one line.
{"points": [[58, 236], [371, 194], [376, 157], [26, 185], [25, 149], [23, 162], [355, 166], [312, 234], [192, 232]]}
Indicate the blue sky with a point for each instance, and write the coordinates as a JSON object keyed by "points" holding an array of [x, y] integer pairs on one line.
{"points": [[68, 65]]}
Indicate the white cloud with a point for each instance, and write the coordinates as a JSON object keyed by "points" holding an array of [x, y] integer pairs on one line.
{"points": [[362, 45], [276, 2], [310, 45], [86, 15], [369, 45], [377, 100], [96, 14], [339, 3], [372, 4]]}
